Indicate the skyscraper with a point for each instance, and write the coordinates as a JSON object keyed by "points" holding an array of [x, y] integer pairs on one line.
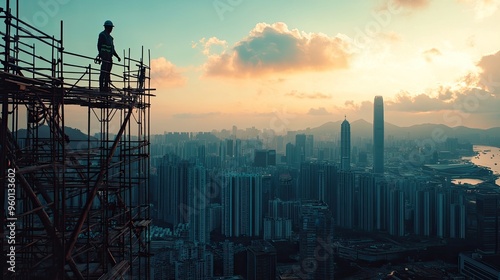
{"points": [[396, 217], [242, 204], [318, 181], [309, 147], [345, 145], [366, 202], [181, 196], [345, 199], [378, 135], [172, 190], [260, 158], [300, 146], [290, 154], [230, 147], [195, 210]]}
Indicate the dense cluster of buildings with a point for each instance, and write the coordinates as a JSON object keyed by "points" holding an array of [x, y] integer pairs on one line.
{"points": [[229, 200]]}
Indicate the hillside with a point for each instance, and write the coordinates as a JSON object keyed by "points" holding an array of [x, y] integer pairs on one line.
{"points": [[77, 139]]}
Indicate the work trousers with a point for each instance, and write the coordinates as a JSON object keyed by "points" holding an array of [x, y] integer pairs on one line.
{"points": [[105, 76]]}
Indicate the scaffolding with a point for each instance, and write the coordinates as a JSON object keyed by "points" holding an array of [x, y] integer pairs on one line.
{"points": [[80, 198]]}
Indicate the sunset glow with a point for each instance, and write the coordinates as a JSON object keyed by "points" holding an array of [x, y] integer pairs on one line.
{"points": [[221, 63]]}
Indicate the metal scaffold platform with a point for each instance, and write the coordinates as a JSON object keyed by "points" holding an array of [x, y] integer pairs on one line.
{"points": [[75, 202]]}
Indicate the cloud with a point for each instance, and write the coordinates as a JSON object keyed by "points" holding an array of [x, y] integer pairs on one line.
{"points": [[364, 106], [464, 106], [464, 100], [489, 74], [165, 74], [473, 100], [349, 103], [272, 48], [208, 44], [303, 95], [430, 54], [321, 111], [444, 93], [476, 101], [483, 8], [475, 93], [419, 103]]}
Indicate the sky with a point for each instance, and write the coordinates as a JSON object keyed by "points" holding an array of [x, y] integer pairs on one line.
{"points": [[288, 64]]}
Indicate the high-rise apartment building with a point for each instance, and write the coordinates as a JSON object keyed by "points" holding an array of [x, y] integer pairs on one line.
{"points": [[242, 204], [172, 189], [318, 181], [366, 202], [195, 210], [345, 199], [309, 148]]}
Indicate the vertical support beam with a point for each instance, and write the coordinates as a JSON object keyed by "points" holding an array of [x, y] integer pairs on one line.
{"points": [[100, 178], [148, 174], [63, 142]]}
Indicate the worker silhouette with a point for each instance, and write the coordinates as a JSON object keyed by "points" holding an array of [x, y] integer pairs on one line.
{"points": [[106, 51]]}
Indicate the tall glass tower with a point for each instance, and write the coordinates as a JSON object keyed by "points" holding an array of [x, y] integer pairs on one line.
{"points": [[378, 135], [345, 145]]}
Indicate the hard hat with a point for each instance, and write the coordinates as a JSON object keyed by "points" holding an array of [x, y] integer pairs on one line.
{"points": [[108, 23]]}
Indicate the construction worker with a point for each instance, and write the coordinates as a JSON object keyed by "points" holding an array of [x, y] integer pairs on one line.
{"points": [[106, 51]]}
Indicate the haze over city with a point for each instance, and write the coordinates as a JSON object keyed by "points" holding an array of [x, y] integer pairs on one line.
{"points": [[290, 65]]}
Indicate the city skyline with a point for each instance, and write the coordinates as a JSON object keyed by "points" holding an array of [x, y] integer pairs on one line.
{"points": [[273, 68], [355, 199]]}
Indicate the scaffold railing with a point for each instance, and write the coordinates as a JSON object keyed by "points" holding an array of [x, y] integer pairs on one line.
{"points": [[78, 196]]}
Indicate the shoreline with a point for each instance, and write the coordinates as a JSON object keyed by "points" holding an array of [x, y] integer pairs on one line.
{"points": [[485, 157]]}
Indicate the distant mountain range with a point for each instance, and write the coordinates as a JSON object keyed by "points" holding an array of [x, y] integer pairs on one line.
{"points": [[363, 129], [77, 139], [360, 129]]}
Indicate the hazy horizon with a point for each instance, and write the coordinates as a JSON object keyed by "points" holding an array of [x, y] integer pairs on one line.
{"points": [[277, 129], [319, 125]]}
